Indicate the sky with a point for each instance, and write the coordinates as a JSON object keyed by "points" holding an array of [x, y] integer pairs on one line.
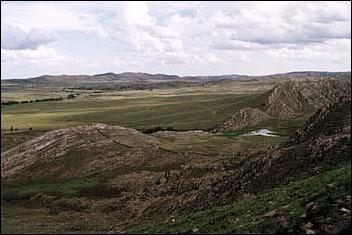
{"points": [[182, 38]]}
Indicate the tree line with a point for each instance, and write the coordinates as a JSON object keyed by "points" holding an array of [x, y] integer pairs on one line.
{"points": [[11, 102]]}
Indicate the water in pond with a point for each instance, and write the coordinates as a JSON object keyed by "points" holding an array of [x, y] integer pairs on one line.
{"points": [[263, 132]]}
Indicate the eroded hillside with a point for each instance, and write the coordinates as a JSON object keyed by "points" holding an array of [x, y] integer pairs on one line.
{"points": [[291, 99], [84, 151]]}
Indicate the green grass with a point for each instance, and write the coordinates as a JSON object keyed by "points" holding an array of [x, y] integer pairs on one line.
{"points": [[247, 215], [220, 143], [183, 112], [24, 189]]}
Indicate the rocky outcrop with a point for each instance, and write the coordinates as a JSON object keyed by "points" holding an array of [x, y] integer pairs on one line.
{"points": [[290, 99], [242, 118], [180, 134], [82, 151], [325, 143], [333, 119]]}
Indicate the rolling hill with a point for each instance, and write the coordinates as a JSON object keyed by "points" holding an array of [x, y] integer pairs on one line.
{"points": [[289, 99], [130, 77]]}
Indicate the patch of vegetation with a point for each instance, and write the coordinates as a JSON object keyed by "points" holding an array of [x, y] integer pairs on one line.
{"points": [[25, 189], [156, 129], [282, 210], [11, 102]]}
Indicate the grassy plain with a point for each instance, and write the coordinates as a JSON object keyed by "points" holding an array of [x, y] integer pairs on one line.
{"points": [[183, 108], [200, 107]]}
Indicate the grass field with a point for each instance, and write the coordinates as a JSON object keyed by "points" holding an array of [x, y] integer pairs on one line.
{"points": [[184, 108]]}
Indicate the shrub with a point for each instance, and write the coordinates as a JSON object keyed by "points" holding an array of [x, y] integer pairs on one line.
{"points": [[158, 128], [10, 102]]}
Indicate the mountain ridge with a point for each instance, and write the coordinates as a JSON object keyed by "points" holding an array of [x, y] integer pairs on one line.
{"points": [[133, 76]]}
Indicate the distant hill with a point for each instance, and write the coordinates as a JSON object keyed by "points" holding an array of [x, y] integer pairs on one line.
{"points": [[109, 79], [309, 75]]}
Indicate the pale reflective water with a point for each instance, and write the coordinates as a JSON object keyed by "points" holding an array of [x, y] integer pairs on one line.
{"points": [[263, 132]]}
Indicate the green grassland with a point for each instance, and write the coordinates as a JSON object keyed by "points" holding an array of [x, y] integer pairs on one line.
{"points": [[184, 108]]}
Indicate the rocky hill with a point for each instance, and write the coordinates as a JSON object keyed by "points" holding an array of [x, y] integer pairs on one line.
{"points": [[84, 151], [324, 144], [289, 99]]}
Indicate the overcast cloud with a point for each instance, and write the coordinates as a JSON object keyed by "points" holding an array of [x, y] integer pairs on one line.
{"points": [[184, 38]]}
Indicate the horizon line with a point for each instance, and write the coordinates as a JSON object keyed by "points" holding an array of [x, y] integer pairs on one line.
{"points": [[262, 75]]}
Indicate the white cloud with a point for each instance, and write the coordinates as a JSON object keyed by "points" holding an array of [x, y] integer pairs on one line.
{"points": [[42, 56], [335, 50], [183, 35], [13, 38], [56, 16]]}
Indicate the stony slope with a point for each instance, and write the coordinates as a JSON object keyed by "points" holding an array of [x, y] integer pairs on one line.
{"points": [[289, 99], [83, 151], [324, 147]]}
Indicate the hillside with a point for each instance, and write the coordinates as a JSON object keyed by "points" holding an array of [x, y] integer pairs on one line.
{"points": [[136, 185], [290, 99], [290, 188], [84, 151]]}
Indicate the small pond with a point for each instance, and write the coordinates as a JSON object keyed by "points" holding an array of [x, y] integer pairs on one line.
{"points": [[263, 132]]}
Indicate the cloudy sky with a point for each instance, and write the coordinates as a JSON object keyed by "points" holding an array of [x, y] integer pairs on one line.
{"points": [[184, 38]]}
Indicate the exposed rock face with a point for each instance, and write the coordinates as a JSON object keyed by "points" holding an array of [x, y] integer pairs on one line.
{"points": [[323, 142], [244, 117], [180, 134], [317, 125], [292, 98], [80, 151]]}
